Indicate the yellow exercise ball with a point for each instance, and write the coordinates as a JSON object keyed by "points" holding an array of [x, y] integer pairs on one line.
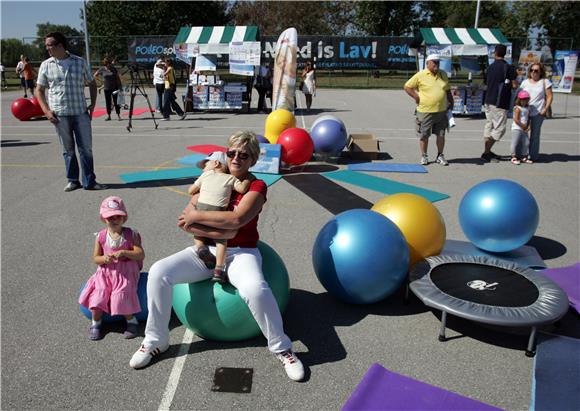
{"points": [[419, 220], [276, 122]]}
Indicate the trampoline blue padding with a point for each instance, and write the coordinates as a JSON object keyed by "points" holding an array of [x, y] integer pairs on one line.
{"points": [[556, 382]]}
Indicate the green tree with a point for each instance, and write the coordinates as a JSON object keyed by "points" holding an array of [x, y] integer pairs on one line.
{"points": [[492, 14], [556, 22], [387, 18], [12, 49], [308, 17], [112, 23], [75, 38]]}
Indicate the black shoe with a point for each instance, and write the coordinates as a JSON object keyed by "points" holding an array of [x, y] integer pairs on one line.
{"points": [[97, 186], [489, 158], [493, 155], [219, 276], [71, 186], [207, 257]]}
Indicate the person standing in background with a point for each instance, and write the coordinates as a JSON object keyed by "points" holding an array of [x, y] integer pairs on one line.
{"points": [[309, 84], [65, 76], [501, 80], [111, 83], [159, 84], [541, 96], [432, 94], [20, 72]]}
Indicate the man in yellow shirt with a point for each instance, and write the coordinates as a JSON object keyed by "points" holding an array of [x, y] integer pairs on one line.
{"points": [[430, 90]]}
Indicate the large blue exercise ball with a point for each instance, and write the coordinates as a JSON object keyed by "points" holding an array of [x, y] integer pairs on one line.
{"points": [[217, 312], [141, 293], [498, 215], [360, 256], [328, 136]]}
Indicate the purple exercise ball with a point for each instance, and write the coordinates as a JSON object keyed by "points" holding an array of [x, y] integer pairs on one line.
{"points": [[262, 139], [328, 136]]}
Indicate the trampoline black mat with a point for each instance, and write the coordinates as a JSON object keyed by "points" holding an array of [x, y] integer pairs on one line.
{"points": [[484, 284]]}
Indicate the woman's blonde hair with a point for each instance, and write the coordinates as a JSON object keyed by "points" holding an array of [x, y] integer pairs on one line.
{"points": [[248, 140]]}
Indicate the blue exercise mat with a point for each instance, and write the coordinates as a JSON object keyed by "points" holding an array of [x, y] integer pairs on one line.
{"points": [[383, 185], [191, 160], [556, 382], [388, 167], [183, 172]]}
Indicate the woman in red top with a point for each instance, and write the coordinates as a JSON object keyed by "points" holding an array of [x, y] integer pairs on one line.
{"points": [[240, 226]]}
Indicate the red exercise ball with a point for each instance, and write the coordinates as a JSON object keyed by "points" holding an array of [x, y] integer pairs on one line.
{"points": [[37, 109], [297, 146], [22, 109]]}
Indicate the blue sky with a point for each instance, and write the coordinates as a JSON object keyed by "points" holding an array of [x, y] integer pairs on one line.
{"points": [[19, 18]]}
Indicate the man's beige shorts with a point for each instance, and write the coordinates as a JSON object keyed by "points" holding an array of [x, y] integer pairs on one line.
{"points": [[496, 121], [431, 123]]}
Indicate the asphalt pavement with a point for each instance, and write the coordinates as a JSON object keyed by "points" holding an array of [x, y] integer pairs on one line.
{"points": [[47, 240]]}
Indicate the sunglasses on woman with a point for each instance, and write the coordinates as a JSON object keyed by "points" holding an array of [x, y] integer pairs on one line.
{"points": [[534, 70], [241, 154]]}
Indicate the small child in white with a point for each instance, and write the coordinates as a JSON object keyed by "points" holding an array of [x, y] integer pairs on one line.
{"points": [[215, 187], [520, 128]]}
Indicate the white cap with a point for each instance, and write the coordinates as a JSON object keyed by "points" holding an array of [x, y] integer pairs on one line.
{"points": [[216, 155], [433, 57]]}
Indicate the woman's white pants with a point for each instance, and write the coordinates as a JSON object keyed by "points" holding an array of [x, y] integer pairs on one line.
{"points": [[244, 273]]}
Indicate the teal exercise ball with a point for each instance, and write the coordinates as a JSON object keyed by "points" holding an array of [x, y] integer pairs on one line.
{"points": [[217, 312]]}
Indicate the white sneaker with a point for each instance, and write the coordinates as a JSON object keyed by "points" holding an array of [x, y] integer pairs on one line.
{"points": [[424, 160], [441, 160], [292, 365], [144, 355]]}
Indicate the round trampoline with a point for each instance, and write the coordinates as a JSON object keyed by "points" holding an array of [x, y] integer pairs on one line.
{"points": [[488, 290]]}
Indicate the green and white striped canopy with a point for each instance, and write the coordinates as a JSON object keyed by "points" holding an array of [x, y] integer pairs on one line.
{"points": [[463, 40], [216, 39]]}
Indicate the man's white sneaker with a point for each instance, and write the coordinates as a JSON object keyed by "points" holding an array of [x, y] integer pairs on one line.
{"points": [[424, 160], [441, 160], [144, 355], [292, 365]]}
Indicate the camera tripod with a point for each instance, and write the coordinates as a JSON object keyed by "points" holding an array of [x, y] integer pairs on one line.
{"points": [[137, 86]]}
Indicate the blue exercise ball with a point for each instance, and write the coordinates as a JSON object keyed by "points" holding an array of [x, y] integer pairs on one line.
{"points": [[498, 215], [328, 136], [360, 256], [141, 293], [325, 117]]}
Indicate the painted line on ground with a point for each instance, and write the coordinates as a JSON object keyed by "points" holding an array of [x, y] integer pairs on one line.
{"points": [[175, 375]]}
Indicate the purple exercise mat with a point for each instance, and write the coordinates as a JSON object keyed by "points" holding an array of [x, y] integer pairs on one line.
{"points": [[569, 279], [381, 389]]}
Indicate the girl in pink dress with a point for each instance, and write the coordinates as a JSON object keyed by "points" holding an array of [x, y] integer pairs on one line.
{"points": [[119, 255]]}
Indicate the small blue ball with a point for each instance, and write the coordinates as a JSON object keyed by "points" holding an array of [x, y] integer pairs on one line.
{"points": [[498, 215], [360, 256]]}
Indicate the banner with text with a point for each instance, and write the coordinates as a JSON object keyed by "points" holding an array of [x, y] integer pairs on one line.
{"points": [[330, 52]]}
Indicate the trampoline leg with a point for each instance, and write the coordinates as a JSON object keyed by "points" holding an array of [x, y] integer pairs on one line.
{"points": [[530, 351], [443, 323]]}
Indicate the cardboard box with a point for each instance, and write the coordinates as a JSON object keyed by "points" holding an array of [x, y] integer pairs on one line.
{"points": [[363, 146]]}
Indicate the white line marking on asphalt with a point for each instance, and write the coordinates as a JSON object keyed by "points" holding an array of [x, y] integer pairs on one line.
{"points": [[173, 380]]}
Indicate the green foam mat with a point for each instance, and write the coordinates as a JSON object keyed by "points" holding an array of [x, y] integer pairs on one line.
{"points": [[383, 185]]}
